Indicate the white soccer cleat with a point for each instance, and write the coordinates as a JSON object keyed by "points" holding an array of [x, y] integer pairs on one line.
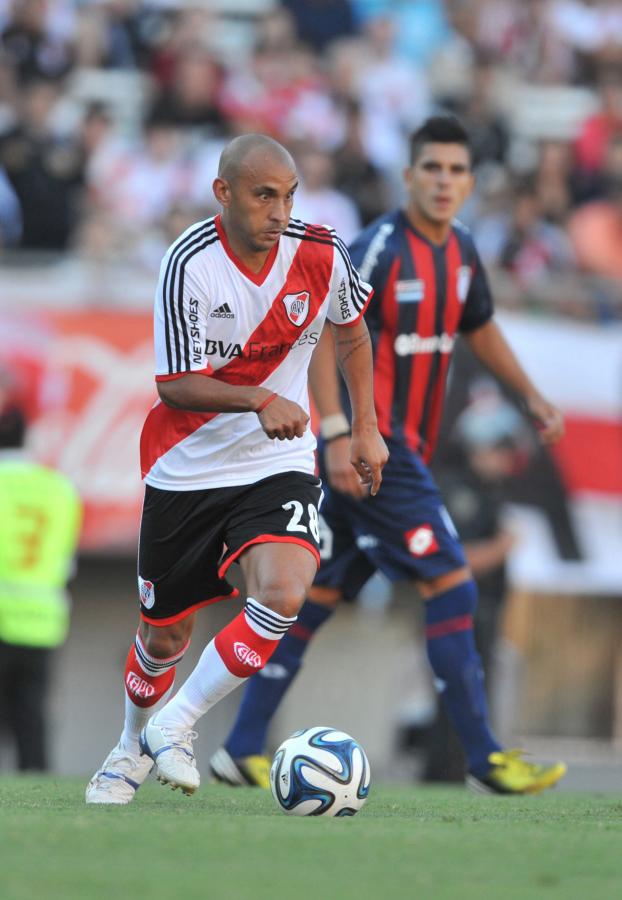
{"points": [[120, 776], [171, 750]]}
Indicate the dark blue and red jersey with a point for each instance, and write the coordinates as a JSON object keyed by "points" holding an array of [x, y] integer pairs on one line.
{"points": [[424, 295]]}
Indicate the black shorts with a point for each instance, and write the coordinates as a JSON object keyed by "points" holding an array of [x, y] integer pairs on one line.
{"points": [[188, 539]]}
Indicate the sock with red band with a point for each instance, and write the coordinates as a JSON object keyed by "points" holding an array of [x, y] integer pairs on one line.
{"points": [[241, 649], [148, 681], [457, 667], [263, 694]]}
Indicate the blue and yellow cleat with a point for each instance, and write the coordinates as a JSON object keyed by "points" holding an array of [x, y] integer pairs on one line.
{"points": [[247, 770]]}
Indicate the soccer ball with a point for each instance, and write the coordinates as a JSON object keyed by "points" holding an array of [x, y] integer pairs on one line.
{"points": [[320, 772]]}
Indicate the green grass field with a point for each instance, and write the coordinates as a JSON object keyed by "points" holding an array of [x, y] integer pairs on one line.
{"points": [[409, 842]]}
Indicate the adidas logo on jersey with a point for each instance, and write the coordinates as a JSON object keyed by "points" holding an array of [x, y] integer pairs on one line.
{"points": [[222, 312]]}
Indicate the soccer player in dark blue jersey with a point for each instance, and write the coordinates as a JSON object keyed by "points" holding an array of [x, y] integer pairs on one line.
{"points": [[430, 287]]}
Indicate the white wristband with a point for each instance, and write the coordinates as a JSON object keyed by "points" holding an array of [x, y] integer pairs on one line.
{"points": [[333, 426]]}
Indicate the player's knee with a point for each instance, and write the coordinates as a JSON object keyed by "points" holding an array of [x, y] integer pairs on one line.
{"points": [[441, 583], [285, 595], [164, 641]]}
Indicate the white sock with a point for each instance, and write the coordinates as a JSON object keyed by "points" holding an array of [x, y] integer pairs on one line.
{"points": [[208, 683], [212, 679], [136, 717]]}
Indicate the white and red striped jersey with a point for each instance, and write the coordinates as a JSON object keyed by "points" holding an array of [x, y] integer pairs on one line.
{"points": [[215, 316]]}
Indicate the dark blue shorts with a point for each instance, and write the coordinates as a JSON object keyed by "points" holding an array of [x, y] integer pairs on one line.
{"points": [[404, 531]]}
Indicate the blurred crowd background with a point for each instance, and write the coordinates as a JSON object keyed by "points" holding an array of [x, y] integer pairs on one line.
{"points": [[113, 114]]}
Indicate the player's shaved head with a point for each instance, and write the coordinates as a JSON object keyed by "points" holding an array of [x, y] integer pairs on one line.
{"points": [[255, 186], [249, 150]]}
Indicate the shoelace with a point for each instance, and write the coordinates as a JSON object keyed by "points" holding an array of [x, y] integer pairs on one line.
{"points": [[182, 742]]}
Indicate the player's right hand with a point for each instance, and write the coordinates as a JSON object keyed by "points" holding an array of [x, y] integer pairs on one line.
{"points": [[283, 419], [548, 418]]}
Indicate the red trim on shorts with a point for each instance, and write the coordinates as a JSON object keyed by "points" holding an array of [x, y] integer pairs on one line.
{"points": [[267, 539], [182, 615], [449, 626]]}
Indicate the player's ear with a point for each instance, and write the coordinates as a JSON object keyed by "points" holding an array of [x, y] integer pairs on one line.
{"points": [[222, 191]]}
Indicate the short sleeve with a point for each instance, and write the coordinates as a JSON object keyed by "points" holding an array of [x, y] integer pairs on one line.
{"points": [[478, 306], [349, 294], [180, 320]]}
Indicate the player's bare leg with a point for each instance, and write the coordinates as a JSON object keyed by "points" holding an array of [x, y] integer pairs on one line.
{"points": [[278, 577]]}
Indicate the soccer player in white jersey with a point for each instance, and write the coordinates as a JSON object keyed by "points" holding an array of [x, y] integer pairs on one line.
{"points": [[227, 452]]}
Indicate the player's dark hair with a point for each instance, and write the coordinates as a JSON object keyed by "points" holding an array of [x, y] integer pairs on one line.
{"points": [[12, 428], [438, 130]]}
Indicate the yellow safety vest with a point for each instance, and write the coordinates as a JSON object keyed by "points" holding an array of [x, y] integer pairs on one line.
{"points": [[40, 517]]}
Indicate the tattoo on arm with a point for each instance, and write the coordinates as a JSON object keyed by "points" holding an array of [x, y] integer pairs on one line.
{"points": [[342, 354]]}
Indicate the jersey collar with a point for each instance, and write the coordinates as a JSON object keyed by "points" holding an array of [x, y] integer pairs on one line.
{"points": [[257, 278], [409, 225]]}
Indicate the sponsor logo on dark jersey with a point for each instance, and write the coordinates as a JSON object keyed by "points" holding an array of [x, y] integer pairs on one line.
{"points": [[409, 344]]}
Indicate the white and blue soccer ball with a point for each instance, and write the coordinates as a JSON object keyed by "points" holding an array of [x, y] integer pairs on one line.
{"points": [[320, 772]]}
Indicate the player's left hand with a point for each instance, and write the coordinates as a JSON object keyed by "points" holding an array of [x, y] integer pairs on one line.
{"points": [[369, 455], [339, 472], [548, 418]]}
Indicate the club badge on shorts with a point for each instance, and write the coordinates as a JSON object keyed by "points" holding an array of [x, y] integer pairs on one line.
{"points": [[421, 541], [297, 307], [146, 590]]}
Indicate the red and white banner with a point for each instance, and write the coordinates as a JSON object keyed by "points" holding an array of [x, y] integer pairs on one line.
{"points": [[86, 380], [579, 368]]}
